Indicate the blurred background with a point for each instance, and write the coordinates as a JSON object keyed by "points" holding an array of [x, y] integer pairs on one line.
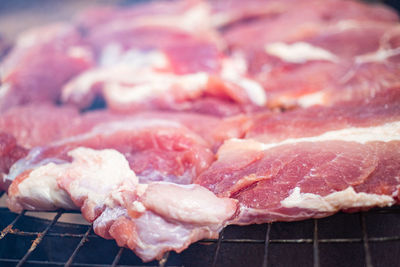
{"points": [[17, 15]]}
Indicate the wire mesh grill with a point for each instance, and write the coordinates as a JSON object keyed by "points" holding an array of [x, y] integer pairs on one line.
{"points": [[358, 239]]}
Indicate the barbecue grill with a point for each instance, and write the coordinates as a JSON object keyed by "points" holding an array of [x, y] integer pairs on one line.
{"points": [[346, 239], [357, 239]]}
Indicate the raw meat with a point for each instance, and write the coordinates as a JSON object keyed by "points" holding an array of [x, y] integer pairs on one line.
{"points": [[159, 180], [156, 149], [38, 125], [190, 16], [271, 127], [308, 64], [142, 217], [169, 74], [25, 75], [34, 125], [10, 152], [308, 177], [312, 162]]}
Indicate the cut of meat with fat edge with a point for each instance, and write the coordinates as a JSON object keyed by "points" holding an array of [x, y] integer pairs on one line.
{"points": [[270, 128], [142, 217], [316, 176], [25, 75], [315, 68], [10, 152], [156, 149]]}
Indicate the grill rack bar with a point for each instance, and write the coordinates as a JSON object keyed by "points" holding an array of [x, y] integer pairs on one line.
{"points": [[365, 240], [38, 239], [368, 260], [315, 245], [78, 247], [266, 245]]}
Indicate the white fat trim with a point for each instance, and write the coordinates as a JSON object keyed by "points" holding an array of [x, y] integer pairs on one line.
{"points": [[133, 66], [382, 133], [40, 35], [193, 20], [155, 85], [312, 99], [42, 188], [380, 55], [113, 54], [4, 89], [345, 199], [345, 25], [196, 17], [138, 206], [234, 69], [79, 52], [299, 52], [254, 90], [107, 168]]}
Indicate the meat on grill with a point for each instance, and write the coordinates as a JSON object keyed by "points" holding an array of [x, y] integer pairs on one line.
{"points": [[142, 217], [316, 68], [150, 170], [10, 152], [326, 159], [41, 61], [168, 73], [156, 149]]}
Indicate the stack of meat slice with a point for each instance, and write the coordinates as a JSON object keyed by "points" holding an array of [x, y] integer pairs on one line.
{"points": [[312, 162], [211, 114]]}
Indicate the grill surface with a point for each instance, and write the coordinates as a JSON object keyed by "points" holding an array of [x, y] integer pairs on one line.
{"points": [[358, 239]]}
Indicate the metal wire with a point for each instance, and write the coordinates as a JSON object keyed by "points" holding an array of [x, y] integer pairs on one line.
{"points": [[78, 247], [315, 245], [217, 249], [38, 239], [368, 261], [316, 240], [266, 246]]}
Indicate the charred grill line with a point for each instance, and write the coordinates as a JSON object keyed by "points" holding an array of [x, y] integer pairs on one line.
{"points": [[39, 239], [117, 257], [265, 259], [79, 246], [9, 227], [221, 236], [315, 244], [368, 260], [365, 240], [163, 261]]}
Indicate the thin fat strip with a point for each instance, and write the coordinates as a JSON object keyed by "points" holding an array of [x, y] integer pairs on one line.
{"points": [[382, 108], [302, 178]]}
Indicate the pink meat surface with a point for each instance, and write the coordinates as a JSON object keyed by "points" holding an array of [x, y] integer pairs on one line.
{"points": [[306, 178], [177, 71], [308, 64], [312, 162], [156, 149], [10, 152], [271, 127], [38, 125], [42, 60]]}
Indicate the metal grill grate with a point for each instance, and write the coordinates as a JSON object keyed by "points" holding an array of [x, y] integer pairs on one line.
{"points": [[359, 239]]}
